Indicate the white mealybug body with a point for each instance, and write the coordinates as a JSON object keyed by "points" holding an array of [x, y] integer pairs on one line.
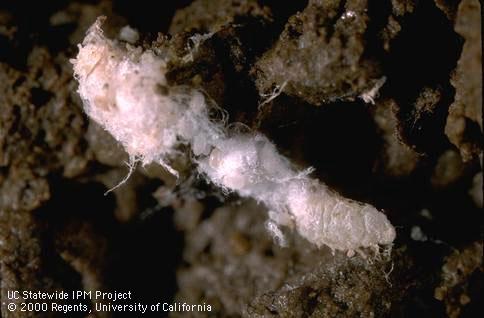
{"points": [[326, 218], [124, 89], [252, 166]]}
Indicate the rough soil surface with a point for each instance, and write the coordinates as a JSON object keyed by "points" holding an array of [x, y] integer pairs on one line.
{"points": [[382, 98], [465, 113], [319, 56]]}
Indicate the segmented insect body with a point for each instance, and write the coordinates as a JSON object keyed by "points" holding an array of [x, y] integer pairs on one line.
{"points": [[326, 218], [124, 89], [252, 166]]}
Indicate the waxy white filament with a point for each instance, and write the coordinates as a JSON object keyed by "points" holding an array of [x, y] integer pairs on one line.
{"points": [[124, 89]]}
